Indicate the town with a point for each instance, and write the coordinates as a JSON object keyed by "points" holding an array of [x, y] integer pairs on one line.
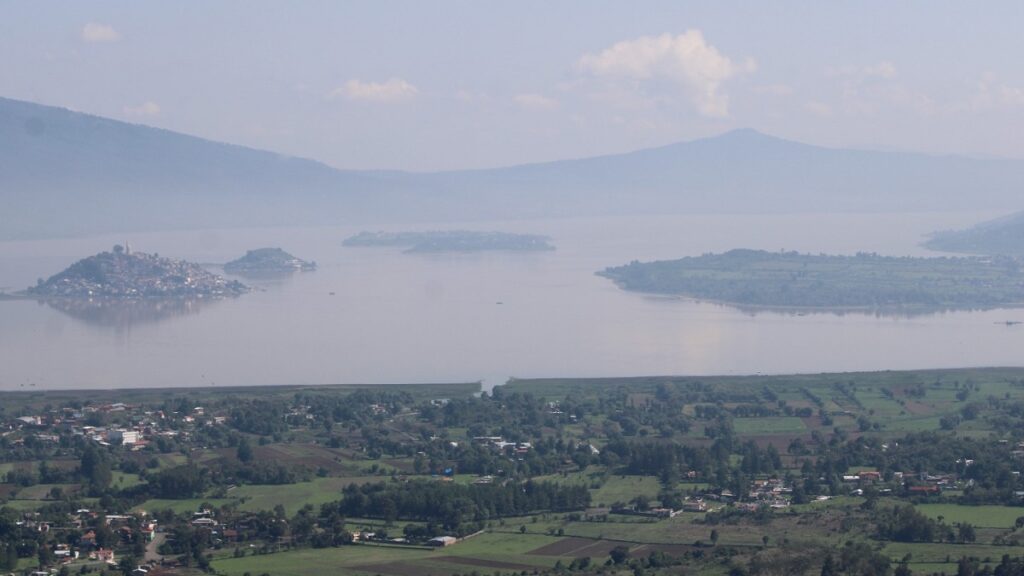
{"points": [[719, 473]]}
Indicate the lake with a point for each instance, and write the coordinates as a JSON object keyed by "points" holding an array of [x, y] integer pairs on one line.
{"points": [[376, 315]]}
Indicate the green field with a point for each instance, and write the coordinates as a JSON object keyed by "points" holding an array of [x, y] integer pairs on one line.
{"points": [[180, 506], [364, 559], [124, 479], [979, 516], [625, 488], [295, 496], [772, 425], [937, 553]]}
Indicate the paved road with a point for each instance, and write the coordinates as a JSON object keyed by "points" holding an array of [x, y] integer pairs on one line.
{"points": [[152, 547]]}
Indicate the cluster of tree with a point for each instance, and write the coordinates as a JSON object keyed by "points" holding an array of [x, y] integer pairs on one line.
{"points": [[906, 524], [454, 506]]}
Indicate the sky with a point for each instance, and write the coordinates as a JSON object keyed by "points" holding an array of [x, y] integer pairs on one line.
{"points": [[472, 84]]}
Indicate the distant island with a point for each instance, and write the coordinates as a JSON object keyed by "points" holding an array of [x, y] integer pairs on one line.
{"points": [[268, 260], [453, 241], [757, 278], [123, 274], [1003, 236]]}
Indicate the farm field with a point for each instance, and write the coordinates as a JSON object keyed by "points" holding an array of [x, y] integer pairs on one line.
{"points": [[487, 551], [979, 516]]}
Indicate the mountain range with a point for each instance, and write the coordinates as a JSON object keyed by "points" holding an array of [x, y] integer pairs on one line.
{"points": [[68, 173]]}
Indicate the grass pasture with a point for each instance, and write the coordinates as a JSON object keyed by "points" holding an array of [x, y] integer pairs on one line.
{"points": [[767, 426], [625, 488], [295, 496], [979, 516], [485, 552]]}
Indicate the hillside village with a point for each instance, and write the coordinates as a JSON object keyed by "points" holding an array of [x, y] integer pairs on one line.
{"points": [[173, 482]]}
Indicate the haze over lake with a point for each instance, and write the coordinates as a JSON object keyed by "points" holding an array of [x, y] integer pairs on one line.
{"points": [[398, 317]]}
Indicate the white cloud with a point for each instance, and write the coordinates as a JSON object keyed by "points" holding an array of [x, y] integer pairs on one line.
{"points": [[991, 94], [93, 32], [389, 91], [536, 102], [148, 108], [686, 60]]}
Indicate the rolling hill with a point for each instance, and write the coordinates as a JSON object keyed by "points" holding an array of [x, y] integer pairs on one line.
{"points": [[1002, 236], [67, 173]]}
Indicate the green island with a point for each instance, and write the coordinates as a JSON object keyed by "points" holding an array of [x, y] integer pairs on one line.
{"points": [[268, 261], [757, 278], [452, 241], [850, 473], [1000, 236]]}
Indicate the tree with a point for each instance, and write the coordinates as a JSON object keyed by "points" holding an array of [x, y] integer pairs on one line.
{"points": [[244, 452], [619, 554], [829, 567], [46, 556], [95, 468], [714, 537], [965, 532], [9, 556]]}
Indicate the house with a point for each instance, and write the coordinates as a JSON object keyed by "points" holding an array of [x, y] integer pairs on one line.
{"points": [[125, 437], [103, 555], [442, 541], [871, 475], [695, 506]]}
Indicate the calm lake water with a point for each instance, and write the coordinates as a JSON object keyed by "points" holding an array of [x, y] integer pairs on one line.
{"points": [[397, 317]]}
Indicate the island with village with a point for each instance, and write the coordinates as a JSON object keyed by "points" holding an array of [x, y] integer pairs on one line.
{"points": [[124, 274]]}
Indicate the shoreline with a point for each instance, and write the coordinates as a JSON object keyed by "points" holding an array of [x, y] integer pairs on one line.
{"points": [[916, 310]]}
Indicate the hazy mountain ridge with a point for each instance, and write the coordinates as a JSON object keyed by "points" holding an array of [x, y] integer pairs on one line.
{"points": [[1002, 236], [64, 173]]}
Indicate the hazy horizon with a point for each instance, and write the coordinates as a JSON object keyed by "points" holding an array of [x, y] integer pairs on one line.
{"points": [[461, 85]]}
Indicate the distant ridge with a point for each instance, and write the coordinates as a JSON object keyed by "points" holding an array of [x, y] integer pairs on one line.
{"points": [[1002, 236], [66, 173]]}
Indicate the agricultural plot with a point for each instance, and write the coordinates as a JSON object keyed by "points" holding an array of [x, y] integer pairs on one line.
{"points": [[768, 426], [295, 496], [625, 488], [979, 516], [488, 552]]}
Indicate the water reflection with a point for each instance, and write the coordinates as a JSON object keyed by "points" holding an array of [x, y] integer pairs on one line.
{"points": [[122, 314], [905, 312]]}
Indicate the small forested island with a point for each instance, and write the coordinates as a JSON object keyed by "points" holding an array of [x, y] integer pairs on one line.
{"points": [[268, 260], [758, 278], [1003, 236], [452, 241], [123, 274]]}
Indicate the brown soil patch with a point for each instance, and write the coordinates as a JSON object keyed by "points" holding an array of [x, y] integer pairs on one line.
{"points": [[401, 569], [482, 563], [577, 548], [598, 549], [311, 456]]}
